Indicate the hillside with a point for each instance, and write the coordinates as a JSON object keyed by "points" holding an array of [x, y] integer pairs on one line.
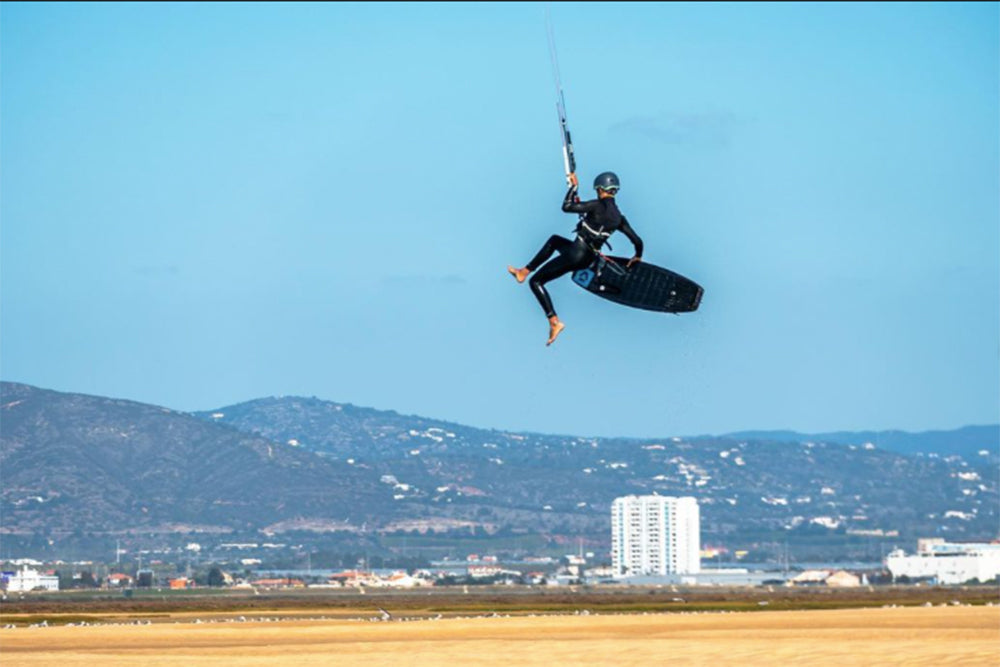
{"points": [[967, 441], [73, 463], [552, 482]]}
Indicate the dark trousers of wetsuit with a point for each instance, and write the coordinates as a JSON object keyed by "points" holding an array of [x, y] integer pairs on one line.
{"points": [[573, 255]]}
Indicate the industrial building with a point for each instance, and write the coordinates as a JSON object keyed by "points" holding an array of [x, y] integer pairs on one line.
{"points": [[947, 562], [28, 580]]}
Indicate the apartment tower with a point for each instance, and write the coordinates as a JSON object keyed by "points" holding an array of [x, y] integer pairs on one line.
{"points": [[655, 535]]}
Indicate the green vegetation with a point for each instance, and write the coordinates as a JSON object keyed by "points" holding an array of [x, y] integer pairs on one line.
{"points": [[153, 605]]}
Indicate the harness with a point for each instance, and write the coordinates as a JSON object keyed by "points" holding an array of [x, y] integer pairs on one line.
{"points": [[593, 238], [598, 233]]}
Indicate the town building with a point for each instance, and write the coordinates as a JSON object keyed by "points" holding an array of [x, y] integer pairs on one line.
{"points": [[278, 582], [27, 579], [352, 578], [947, 562], [655, 535], [395, 579], [828, 578], [119, 580], [844, 579]]}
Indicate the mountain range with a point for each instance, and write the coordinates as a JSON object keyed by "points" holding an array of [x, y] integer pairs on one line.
{"points": [[72, 463], [967, 441]]}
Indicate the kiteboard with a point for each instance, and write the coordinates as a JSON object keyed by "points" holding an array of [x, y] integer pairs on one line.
{"points": [[644, 285]]}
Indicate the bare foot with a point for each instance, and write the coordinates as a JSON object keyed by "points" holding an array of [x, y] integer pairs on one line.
{"points": [[555, 328], [519, 274]]}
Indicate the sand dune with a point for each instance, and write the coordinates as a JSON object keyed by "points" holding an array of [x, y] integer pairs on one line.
{"points": [[951, 635]]}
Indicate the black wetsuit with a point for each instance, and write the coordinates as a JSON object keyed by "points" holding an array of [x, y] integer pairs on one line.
{"points": [[599, 219]]}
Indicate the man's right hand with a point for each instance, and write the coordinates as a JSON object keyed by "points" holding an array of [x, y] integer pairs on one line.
{"points": [[573, 183]]}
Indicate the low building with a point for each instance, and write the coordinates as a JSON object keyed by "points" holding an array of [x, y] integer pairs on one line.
{"points": [[810, 578], [283, 582], [709, 577], [829, 578], [484, 571], [599, 572], [27, 579], [119, 580], [947, 562], [843, 579], [404, 580], [352, 578]]}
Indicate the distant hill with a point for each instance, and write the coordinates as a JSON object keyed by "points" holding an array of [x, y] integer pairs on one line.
{"points": [[72, 462], [744, 484], [967, 441]]}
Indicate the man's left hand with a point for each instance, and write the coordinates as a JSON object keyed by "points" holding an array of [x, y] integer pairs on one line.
{"points": [[632, 261]]}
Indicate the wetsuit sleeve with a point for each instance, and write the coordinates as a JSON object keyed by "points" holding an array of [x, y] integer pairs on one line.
{"points": [[571, 205], [627, 230]]}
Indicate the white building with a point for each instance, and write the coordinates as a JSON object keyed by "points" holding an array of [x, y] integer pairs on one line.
{"points": [[655, 535], [947, 562], [28, 580]]}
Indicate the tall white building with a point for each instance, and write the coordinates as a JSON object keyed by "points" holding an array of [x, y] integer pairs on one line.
{"points": [[655, 535]]}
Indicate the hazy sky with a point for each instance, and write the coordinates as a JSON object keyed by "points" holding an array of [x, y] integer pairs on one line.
{"points": [[208, 203]]}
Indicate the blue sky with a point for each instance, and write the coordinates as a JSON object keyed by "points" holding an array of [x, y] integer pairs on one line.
{"points": [[208, 203]]}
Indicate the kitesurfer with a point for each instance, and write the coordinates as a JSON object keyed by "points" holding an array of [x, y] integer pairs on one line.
{"points": [[599, 219]]}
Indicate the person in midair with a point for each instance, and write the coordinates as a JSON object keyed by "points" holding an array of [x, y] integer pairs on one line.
{"points": [[599, 219]]}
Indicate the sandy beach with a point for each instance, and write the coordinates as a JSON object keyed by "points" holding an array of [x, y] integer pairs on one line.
{"points": [[942, 635]]}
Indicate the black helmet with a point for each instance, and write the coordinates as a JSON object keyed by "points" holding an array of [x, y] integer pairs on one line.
{"points": [[607, 181]]}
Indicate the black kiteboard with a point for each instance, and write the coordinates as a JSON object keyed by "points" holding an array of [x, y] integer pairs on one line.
{"points": [[645, 285]]}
